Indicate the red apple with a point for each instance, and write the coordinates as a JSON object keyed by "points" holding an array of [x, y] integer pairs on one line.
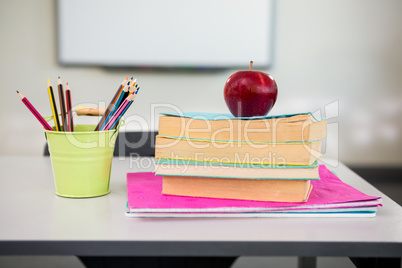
{"points": [[250, 93]]}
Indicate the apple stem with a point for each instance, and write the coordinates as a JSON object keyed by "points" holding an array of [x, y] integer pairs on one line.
{"points": [[251, 65]]}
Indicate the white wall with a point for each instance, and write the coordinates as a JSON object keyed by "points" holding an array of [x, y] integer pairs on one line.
{"points": [[331, 53]]}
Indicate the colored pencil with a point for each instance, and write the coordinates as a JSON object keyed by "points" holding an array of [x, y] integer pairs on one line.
{"points": [[105, 115], [34, 112], [114, 125], [69, 109], [123, 94], [62, 105], [133, 88], [127, 92], [133, 84], [118, 112], [53, 106]]}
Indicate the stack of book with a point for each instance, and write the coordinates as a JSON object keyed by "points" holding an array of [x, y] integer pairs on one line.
{"points": [[220, 156], [215, 165]]}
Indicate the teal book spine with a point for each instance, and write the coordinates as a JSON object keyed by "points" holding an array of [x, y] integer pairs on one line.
{"points": [[223, 116], [170, 161]]}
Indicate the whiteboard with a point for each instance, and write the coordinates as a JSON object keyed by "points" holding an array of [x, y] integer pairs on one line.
{"points": [[157, 33]]}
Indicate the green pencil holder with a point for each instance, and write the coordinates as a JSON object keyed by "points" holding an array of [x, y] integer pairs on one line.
{"points": [[82, 160]]}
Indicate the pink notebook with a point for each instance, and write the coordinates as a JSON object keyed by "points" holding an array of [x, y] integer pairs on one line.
{"points": [[145, 195]]}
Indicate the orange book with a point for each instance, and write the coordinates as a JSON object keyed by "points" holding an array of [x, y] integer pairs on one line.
{"points": [[299, 127], [296, 153], [243, 189]]}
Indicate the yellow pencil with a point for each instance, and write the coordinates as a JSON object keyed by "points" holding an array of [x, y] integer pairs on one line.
{"points": [[53, 105]]}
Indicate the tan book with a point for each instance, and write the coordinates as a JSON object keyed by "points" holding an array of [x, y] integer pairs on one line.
{"points": [[243, 189], [177, 167], [286, 153], [299, 127]]}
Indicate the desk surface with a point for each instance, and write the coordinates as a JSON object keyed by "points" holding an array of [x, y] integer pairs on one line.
{"points": [[34, 220]]}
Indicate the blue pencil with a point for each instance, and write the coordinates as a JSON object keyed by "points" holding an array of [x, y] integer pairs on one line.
{"points": [[117, 103], [122, 113]]}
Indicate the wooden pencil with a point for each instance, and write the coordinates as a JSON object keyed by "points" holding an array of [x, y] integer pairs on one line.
{"points": [[115, 124], [118, 112], [133, 83], [34, 112], [105, 115], [62, 104], [133, 88], [123, 94], [53, 106], [69, 109]]}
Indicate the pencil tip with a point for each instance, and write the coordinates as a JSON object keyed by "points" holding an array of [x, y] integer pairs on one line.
{"points": [[48, 80], [132, 77], [59, 77], [127, 78], [67, 83], [17, 91]]}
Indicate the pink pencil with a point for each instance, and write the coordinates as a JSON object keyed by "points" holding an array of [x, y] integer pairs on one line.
{"points": [[34, 112], [119, 111], [115, 115]]}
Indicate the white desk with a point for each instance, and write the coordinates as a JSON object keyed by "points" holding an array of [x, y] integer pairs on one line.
{"points": [[34, 221]]}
